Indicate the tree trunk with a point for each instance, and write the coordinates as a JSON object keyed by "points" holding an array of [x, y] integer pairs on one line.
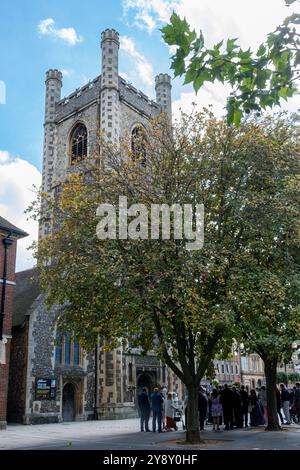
{"points": [[192, 425], [271, 373]]}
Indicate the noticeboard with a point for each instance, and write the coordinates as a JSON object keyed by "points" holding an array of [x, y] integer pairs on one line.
{"points": [[45, 389]]}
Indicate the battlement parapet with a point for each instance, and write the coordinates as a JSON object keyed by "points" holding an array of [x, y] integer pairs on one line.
{"points": [[162, 79], [110, 35], [54, 74]]}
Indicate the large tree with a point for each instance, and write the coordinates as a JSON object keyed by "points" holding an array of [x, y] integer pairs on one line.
{"points": [[156, 290], [258, 79], [267, 319], [265, 287], [150, 290]]}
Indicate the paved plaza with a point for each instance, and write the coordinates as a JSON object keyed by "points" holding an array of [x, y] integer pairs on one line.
{"points": [[124, 434]]}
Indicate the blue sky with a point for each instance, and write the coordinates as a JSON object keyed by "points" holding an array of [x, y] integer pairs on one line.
{"points": [[36, 35]]}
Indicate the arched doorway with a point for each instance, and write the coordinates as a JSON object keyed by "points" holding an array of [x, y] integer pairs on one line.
{"points": [[68, 402], [144, 380]]}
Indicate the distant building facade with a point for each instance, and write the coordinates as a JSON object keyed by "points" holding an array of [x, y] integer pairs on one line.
{"points": [[229, 370], [252, 371]]}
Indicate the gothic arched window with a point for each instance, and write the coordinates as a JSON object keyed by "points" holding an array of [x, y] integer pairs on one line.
{"points": [[78, 144], [67, 350], [138, 144]]}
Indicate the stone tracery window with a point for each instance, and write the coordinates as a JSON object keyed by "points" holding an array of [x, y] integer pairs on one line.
{"points": [[67, 350], [138, 144], [78, 143]]}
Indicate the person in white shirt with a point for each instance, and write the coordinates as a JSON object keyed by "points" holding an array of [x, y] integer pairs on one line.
{"points": [[169, 413]]}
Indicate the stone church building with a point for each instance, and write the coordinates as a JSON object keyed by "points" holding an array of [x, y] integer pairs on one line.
{"points": [[51, 380]]}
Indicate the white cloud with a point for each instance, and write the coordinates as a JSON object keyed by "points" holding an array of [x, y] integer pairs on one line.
{"points": [[4, 156], [145, 72], [145, 19], [249, 21], [47, 28], [125, 75], [210, 95], [215, 95], [17, 177], [148, 14], [141, 70], [218, 18], [66, 72]]}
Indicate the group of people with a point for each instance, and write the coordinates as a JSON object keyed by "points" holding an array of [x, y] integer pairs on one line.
{"points": [[230, 406], [235, 407], [164, 408], [288, 400]]}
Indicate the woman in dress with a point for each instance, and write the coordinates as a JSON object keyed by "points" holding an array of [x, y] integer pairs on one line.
{"points": [[256, 417], [169, 413], [216, 409], [262, 397]]}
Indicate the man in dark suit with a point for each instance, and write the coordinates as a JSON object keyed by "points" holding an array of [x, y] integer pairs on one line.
{"points": [[227, 404], [245, 404], [144, 406], [156, 406], [202, 407]]}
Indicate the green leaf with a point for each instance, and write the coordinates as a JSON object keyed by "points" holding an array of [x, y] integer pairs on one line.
{"points": [[189, 76], [247, 84], [293, 19], [178, 33], [262, 77], [283, 92], [217, 47], [169, 35], [245, 56], [230, 46], [199, 43], [237, 116], [178, 64], [261, 50], [202, 76], [234, 113], [286, 92], [217, 73], [271, 39], [230, 110], [266, 100]]}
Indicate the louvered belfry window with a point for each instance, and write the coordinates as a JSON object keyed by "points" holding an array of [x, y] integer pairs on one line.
{"points": [[78, 144]]}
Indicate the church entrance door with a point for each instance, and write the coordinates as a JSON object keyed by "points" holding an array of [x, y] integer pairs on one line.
{"points": [[68, 402], [144, 380]]}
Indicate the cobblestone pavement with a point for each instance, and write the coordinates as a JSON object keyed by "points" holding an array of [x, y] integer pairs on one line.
{"points": [[124, 434]]}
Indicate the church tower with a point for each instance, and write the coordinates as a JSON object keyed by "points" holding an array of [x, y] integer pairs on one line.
{"points": [[110, 113], [52, 96], [163, 93], [108, 381]]}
